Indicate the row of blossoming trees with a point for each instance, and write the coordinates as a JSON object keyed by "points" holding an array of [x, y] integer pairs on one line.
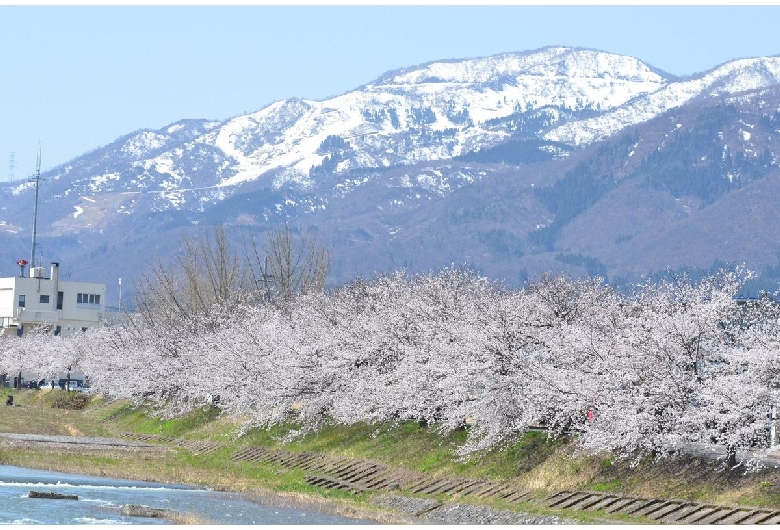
{"points": [[673, 364]]}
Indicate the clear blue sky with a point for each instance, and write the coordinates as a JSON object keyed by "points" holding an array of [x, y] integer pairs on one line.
{"points": [[77, 78]]}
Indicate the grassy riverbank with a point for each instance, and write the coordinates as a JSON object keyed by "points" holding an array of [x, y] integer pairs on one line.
{"points": [[534, 463]]}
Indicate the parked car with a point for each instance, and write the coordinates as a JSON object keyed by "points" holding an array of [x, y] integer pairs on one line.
{"points": [[63, 383], [46, 383]]}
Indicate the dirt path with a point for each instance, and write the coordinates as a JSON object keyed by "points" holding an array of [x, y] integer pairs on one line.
{"points": [[79, 442]]}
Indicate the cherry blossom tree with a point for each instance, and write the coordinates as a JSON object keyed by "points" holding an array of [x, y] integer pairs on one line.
{"points": [[672, 365]]}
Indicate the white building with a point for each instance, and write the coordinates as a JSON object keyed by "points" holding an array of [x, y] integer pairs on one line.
{"points": [[68, 307]]}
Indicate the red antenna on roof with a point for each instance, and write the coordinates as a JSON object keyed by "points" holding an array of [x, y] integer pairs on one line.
{"points": [[22, 264]]}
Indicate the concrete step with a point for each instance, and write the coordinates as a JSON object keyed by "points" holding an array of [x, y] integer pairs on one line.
{"points": [[560, 497], [758, 516], [696, 515], [667, 510], [605, 502], [716, 516], [625, 503], [650, 509], [334, 483], [737, 517], [574, 500], [677, 516]]}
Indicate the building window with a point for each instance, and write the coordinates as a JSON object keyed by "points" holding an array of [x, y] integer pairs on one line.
{"points": [[60, 299], [21, 300], [88, 299], [44, 299], [57, 331]]}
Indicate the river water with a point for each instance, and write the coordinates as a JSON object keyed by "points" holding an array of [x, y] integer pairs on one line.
{"points": [[100, 500]]}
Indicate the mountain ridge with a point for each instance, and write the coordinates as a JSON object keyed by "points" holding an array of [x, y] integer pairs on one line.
{"points": [[557, 130]]}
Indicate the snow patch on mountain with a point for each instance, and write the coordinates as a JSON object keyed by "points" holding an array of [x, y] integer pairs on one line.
{"points": [[144, 142], [98, 183], [549, 62]]}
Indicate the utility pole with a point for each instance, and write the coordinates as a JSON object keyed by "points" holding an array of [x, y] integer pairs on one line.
{"points": [[37, 180], [11, 166], [266, 285]]}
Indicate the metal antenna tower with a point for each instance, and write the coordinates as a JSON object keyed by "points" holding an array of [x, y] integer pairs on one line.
{"points": [[11, 166], [37, 180]]}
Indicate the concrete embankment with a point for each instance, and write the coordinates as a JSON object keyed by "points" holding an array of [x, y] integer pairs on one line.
{"points": [[419, 497], [437, 512]]}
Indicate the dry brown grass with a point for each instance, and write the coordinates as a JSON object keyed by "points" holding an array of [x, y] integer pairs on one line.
{"points": [[160, 467], [562, 471], [31, 414]]}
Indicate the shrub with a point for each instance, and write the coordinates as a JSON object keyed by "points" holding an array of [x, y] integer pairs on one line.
{"points": [[70, 400]]}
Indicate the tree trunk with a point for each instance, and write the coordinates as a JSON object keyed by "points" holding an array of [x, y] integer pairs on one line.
{"points": [[731, 456]]}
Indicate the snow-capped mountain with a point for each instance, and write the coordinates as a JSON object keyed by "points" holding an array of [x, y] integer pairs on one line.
{"points": [[432, 112], [436, 111], [441, 131]]}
